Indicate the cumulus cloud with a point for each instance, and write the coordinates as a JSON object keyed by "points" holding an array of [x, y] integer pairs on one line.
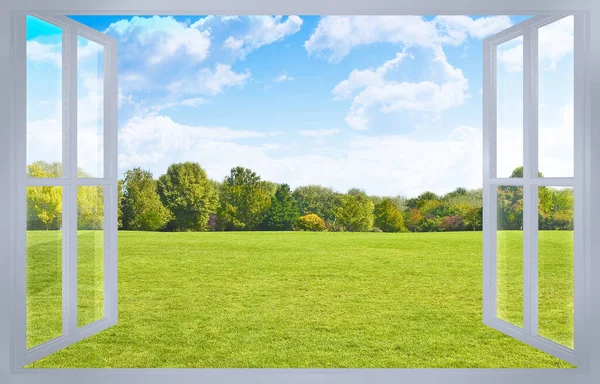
{"points": [[262, 30], [456, 29], [210, 82], [373, 89], [44, 52], [336, 36], [384, 164], [156, 39], [161, 138], [555, 42]]}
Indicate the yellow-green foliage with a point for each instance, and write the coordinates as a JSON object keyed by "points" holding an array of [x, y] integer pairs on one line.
{"points": [[311, 222]]}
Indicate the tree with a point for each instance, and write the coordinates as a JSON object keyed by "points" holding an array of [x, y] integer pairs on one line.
{"points": [[283, 212], [421, 200], [413, 220], [318, 200], [120, 198], [44, 204], [355, 212], [190, 196], [388, 218], [311, 222], [90, 207], [245, 200], [142, 208]]}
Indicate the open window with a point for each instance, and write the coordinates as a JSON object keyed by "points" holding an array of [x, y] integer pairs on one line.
{"points": [[517, 108], [67, 247]]}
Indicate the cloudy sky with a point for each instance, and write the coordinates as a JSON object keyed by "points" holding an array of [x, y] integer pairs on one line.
{"points": [[389, 104]]}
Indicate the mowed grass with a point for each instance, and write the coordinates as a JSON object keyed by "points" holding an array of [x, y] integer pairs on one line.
{"points": [[299, 300]]}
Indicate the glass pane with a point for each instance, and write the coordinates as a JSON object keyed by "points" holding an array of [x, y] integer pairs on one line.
{"points": [[556, 257], [90, 108], [510, 254], [44, 264], [90, 254], [556, 91], [509, 82], [44, 99]]}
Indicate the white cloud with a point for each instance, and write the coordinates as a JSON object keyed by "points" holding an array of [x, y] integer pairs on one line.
{"points": [[283, 77], [390, 95], [263, 30], [455, 29], [336, 36], [320, 132], [193, 101], [153, 139], [156, 39], [45, 53], [233, 43], [555, 42], [44, 140], [210, 82], [382, 165]]}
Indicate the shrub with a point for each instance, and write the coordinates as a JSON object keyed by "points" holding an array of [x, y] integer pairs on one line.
{"points": [[451, 223], [311, 222]]}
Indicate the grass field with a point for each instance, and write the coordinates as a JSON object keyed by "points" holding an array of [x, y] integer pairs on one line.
{"points": [[301, 300]]}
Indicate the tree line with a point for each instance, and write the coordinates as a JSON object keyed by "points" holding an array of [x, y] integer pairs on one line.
{"points": [[185, 199]]}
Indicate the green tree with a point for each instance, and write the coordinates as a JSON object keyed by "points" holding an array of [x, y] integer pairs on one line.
{"points": [[422, 199], [388, 218], [283, 212], [90, 207], [318, 200], [311, 222], [355, 212], [44, 204], [142, 208], [190, 196], [245, 200], [120, 198]]}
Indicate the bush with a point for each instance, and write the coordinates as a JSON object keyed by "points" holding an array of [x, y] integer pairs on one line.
{"points": [[311, 222], [451, 223]]}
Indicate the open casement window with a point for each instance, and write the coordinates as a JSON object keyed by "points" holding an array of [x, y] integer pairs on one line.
{"points": [[524, 298], [67, 184]]}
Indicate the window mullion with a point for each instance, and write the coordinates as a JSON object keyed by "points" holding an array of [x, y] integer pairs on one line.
{"points": [[71, 231], [530, 97]]}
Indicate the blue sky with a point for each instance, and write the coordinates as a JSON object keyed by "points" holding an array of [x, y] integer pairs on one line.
{"points": [[391, 105]]}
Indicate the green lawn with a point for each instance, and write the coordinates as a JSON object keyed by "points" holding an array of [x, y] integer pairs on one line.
{"points": [[300, 300]]}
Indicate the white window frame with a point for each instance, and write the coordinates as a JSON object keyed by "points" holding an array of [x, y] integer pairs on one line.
{"points": [[530, 182], [69, 182], [590, 337]]}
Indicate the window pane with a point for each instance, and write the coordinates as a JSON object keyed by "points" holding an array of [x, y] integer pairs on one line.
{"points": [[555, 63], [509, 82], [556, 255], [44, 99], [90, 108], [44, 264], [90, 254], [510, 254]]}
